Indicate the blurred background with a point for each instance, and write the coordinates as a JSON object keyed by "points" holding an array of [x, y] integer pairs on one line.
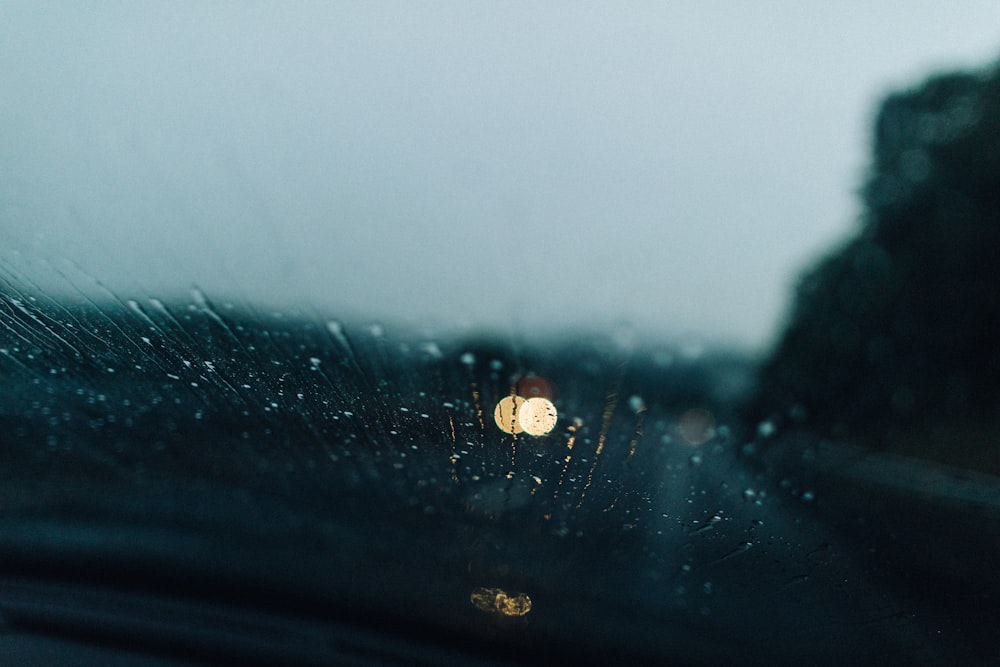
{"points": [[536, 166]]}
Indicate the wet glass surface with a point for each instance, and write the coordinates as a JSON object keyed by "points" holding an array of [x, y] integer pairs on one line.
{"points": [[289, 377], [359, 466]]}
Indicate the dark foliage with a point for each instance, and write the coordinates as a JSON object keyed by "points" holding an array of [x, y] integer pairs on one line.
{"points": [[900, 325]]}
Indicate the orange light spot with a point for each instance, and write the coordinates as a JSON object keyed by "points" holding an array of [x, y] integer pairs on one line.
{"points": [[534, 386]]}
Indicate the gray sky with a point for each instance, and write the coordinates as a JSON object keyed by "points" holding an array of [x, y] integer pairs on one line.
{"points": [[529, 164]]}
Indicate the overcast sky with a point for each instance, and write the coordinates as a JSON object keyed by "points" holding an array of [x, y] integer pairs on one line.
{"points": [[549, 164]]}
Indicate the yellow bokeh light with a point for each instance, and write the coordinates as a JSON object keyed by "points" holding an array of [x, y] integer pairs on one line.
{"points": [[506, 414], [537, 416]]}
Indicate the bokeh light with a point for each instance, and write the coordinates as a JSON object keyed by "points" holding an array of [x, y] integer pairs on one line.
{"points": [[528, 409], [535, 386], [537, 416], [696, 426], [506, 414]]}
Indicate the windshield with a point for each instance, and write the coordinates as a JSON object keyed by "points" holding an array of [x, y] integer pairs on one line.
{"points": [[509, 334]]}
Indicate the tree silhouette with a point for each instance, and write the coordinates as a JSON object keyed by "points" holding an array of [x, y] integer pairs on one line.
{"points": [[901, 325]]}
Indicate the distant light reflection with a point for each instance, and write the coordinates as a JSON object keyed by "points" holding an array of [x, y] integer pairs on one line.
{"points": [[498, 601], [537, 416], [506, 414], [534, 386], [528, 409], [696, 426]]}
